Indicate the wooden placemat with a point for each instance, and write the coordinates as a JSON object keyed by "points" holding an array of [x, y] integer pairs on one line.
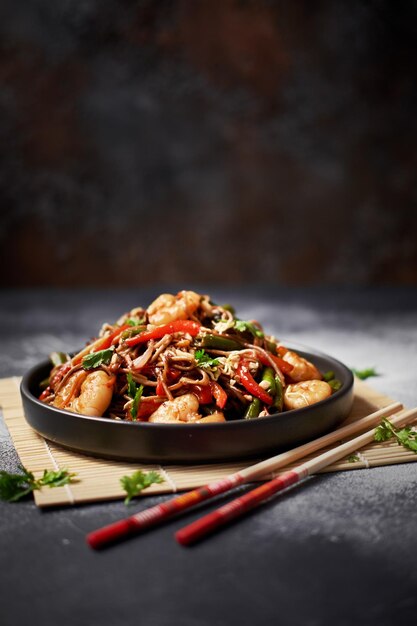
{"points": [[100, 479]]}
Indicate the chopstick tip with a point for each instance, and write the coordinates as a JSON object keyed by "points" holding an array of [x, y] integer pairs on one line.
{"points": [[102, 537]]}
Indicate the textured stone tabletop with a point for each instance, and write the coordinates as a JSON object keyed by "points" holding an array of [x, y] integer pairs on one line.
{"points": [[339, 550]]}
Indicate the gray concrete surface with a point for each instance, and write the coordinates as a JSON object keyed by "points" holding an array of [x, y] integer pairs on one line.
{"points": [[337, 551]]}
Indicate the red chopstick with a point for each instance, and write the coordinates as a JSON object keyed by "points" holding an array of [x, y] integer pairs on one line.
{"points": [[161, 512], [239, 506]]}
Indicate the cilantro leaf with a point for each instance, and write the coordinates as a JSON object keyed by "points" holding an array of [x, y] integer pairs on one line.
{"points": [[384, 430], [138, 481], [353, 458], [204, 360], [243, 326], [102, 357], [13, 487], [365, 373], [407, 437], [57, 478]]}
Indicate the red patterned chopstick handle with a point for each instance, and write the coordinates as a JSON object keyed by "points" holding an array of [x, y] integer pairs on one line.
{"points": [[237, 507], [159, 513]]}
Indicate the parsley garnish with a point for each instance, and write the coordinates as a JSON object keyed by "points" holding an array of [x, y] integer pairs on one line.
{"points": [[138, 481], [407, 437], [13, 487], [204, 360], [243, 326], [365, 373], [102, 357], [134, 391]]}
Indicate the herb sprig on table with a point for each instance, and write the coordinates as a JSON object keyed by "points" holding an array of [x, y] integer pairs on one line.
{"points": [[13, 487], [406, 437], [139, 481], [368, 372], [353, 458]]}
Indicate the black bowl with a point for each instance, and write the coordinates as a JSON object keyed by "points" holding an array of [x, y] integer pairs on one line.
{"points": [[188, 443]]}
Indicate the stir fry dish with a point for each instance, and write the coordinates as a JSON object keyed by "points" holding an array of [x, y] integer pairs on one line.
{"points": [[184, 360]]}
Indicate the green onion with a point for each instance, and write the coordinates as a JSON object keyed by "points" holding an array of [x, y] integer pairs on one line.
{"points": [[58, 358]]}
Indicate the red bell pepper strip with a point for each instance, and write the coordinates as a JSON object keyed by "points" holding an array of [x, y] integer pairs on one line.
{"points": [[111, 339], [45, 393], [219, 394], [147, 407], [160, 391], [171, 377], [286, 368], [102, 344], [251, 385], [178, 326], [203, 393]]}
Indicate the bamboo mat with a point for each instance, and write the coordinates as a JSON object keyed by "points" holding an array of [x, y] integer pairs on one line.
{"points": [[99, 479]]}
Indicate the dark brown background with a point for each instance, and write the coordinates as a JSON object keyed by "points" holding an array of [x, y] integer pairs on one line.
{"points": [[217, 141]]}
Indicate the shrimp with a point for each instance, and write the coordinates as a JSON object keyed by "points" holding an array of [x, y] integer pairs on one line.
{"points": [[302, 369], [87, 393], [182, 410], [217, 416], [305, 393], [168, 308]]}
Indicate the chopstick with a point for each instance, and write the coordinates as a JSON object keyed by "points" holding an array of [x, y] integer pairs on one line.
{"points": [[239, 506], [163, 511]]}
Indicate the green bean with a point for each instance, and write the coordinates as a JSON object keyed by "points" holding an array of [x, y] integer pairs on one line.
{"points": [[279, 395], [220, 343], [253, 409], [133, 331], [269, 375], [275, 388]]}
